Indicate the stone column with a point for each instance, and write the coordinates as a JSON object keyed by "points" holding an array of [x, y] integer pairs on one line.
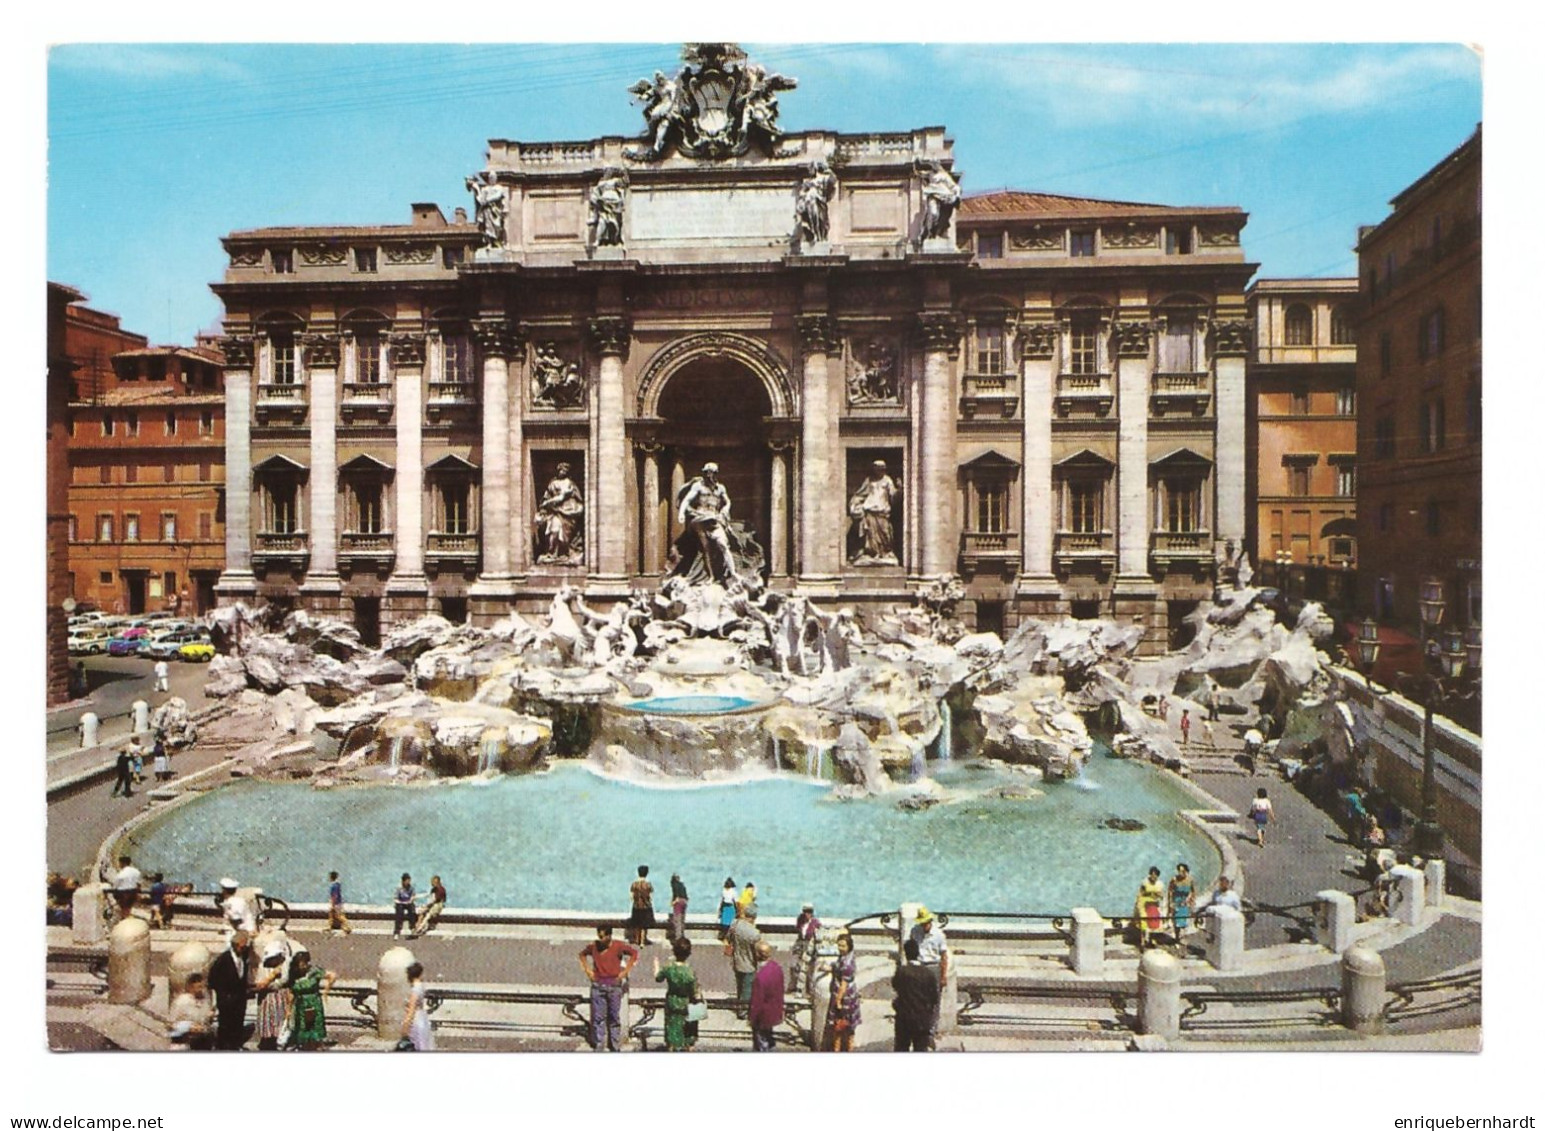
{"points": [[649, 505], [777, 539], [1086, 955], [406, 351], [497, 341], [821, 476], [1158, 994], [237, 579], [1133, 383], [1362, 990], [1231, 340], [1335, 913], [937, 548], [1037, 343], [128, 962], [522, 502], [608, 478], [319, 356]]}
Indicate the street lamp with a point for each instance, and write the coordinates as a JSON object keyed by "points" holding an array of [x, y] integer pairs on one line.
{"points": [[1431, 605], [1367, 644]]}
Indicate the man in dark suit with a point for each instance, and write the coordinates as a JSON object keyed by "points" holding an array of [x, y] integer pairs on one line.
{"points": [[228, 981]]}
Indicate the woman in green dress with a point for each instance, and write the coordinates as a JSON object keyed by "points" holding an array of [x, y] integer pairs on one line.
{"points": [[308, 1023], [680, 991]]}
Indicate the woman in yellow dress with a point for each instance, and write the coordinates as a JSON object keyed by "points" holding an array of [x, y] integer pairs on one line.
{"points": [[1149, 909]]}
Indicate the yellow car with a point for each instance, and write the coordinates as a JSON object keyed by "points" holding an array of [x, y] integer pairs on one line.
{"points": [[200, 652]]}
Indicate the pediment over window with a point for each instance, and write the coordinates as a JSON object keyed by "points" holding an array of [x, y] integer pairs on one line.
{"points": [[1181, 459], [277, 464], [1085, 460], [452, 464], [991, 461], [365, 465]]}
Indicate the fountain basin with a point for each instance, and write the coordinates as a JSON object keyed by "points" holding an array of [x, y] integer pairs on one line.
{"points": [[685, 735]]}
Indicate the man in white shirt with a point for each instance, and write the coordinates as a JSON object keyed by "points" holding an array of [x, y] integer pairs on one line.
{"points": [[126, 883], [933, 954], [1223, 895], [238, 912], [163, 676]]}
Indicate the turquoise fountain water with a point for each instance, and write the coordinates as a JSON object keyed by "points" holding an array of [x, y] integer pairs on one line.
{"points": [[572, 839]]}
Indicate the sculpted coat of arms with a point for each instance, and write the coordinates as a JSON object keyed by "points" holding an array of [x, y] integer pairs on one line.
{"points": [[716, 106]]}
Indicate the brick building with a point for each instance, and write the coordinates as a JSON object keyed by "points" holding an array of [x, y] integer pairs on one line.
{"points": [[146, 470], [56, 406], [1419, 395], [1301, 424]]}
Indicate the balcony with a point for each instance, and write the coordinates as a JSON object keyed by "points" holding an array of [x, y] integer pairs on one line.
{"points": [[997, 551], [366, 400], [990, 394], [1190, 549], [369, 552], [450, 400], [275, 551], [1084, 393], [281, 402], [1085, 552], [452, 553], [1186, 392]]}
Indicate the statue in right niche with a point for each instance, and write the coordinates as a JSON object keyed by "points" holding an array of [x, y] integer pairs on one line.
{"points": [[560, 533], [870, 508]]}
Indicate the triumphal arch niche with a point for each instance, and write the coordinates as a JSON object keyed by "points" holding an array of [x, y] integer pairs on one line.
{"points": [[895, 380]]}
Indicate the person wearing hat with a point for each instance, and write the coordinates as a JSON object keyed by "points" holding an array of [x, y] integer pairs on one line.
{"points": [[805, 928], [228, 982], [273, 995], [933, 954], [238, 911]]}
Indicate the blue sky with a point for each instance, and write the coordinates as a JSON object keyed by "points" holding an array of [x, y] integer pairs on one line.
{"points": [[155, 151]]}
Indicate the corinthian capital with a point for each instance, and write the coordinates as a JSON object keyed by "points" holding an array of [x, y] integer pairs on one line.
{"points": [[496, 337], [1038, 340], [321, 350], [611, 334], [237, 350], [940, 331], [407, 349], [1132, 338], [817, 332], [1230, 337]]}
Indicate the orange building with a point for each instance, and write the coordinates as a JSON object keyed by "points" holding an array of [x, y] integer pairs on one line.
{"points": [[1301, 432], [146, 470], [1419, 387]]}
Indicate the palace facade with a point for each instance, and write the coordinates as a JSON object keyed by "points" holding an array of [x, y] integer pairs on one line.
{"points": [[461, 416]]}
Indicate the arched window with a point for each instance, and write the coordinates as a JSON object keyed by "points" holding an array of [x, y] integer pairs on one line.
{"points": [[1299, 326], [1341, 327]]}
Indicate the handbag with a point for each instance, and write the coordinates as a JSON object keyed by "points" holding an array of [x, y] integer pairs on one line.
{"points": [[697, 1011]]}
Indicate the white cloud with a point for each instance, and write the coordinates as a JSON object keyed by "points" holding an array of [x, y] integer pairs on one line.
{"points": [[154, 63]]}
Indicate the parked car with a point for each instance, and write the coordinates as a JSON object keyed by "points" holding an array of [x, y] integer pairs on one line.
{"points": [[200, 651], [126, 645], [88, 643], [166, 645]]}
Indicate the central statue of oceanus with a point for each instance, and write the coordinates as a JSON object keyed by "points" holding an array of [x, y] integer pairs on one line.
{"points": [[711, 546]]}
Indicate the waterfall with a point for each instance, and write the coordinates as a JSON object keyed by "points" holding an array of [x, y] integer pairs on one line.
{"points": [[398, 741], [945, 737], [1079, 780], [919, 762], [488, 753], [777, 754], [820, 762]]}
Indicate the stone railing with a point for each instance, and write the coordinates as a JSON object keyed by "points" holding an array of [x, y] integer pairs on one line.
{"points": [[367, 391], [1078, 549], [993, 394], [290, 392], [452, 392], [452, 545], [1185, 391], [1085, 392], [994, 549]]}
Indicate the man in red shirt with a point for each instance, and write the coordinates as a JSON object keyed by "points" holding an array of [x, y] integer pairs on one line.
{"points": [[766, 999], [606, 965]]}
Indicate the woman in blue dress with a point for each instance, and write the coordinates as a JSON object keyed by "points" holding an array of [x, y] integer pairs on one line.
{"points": [[1182, 899], [727, 905]]}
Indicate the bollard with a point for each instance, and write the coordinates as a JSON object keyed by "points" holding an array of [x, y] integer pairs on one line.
{"points": [[88, 914], [1335, 912], [188, 959], [1362, 990], [1408, 896], [1225, 937], [141, 716], [1086, 954], [820, 1004], [392, 991], [128, 962], [1435, 872], [1158, 995], [89, 725]]}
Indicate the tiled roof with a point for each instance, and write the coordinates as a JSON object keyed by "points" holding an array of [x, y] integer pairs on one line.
{"points": [[415, 232], [129, 396], [197, 353], [1045, 205]]}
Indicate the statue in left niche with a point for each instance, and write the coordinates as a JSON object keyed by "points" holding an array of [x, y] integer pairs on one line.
{"points": [[559, 516], [555, 383], [491, 201], [607, 200]]}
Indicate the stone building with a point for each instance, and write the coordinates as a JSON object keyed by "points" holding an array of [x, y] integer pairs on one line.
{"points": [[461, 416], [57, 574], [146, 453], [1419, 392], [1302, 435]]}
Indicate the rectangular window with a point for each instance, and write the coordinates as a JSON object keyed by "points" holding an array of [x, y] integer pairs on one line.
{"points": [[206, 525], [1346, 401], [106, 472], [206, 422], [131, 423], [1084, 347], [284, 360], [206, 471], [1081, 245], [989, 245], [1386, 354], [455, 505], [171, 583], [451, 256], [1177, 346], [169, 472], [131, 528], [1300, 402], [1086, 506], [365, 259], [367, 509], [1432, 426], [283, 262], [458, 359], [131, 472], [1177, 241], [1429, 334], [105, 577], [107, 424], [283, 516], [989, 349], [1298, 480], [367, 367], [74, 534], [168, 528], [1346, 481], [1384, 437], [71, 424], [171, 424], [1183, 506], [1341, 549], [992, 506]]}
